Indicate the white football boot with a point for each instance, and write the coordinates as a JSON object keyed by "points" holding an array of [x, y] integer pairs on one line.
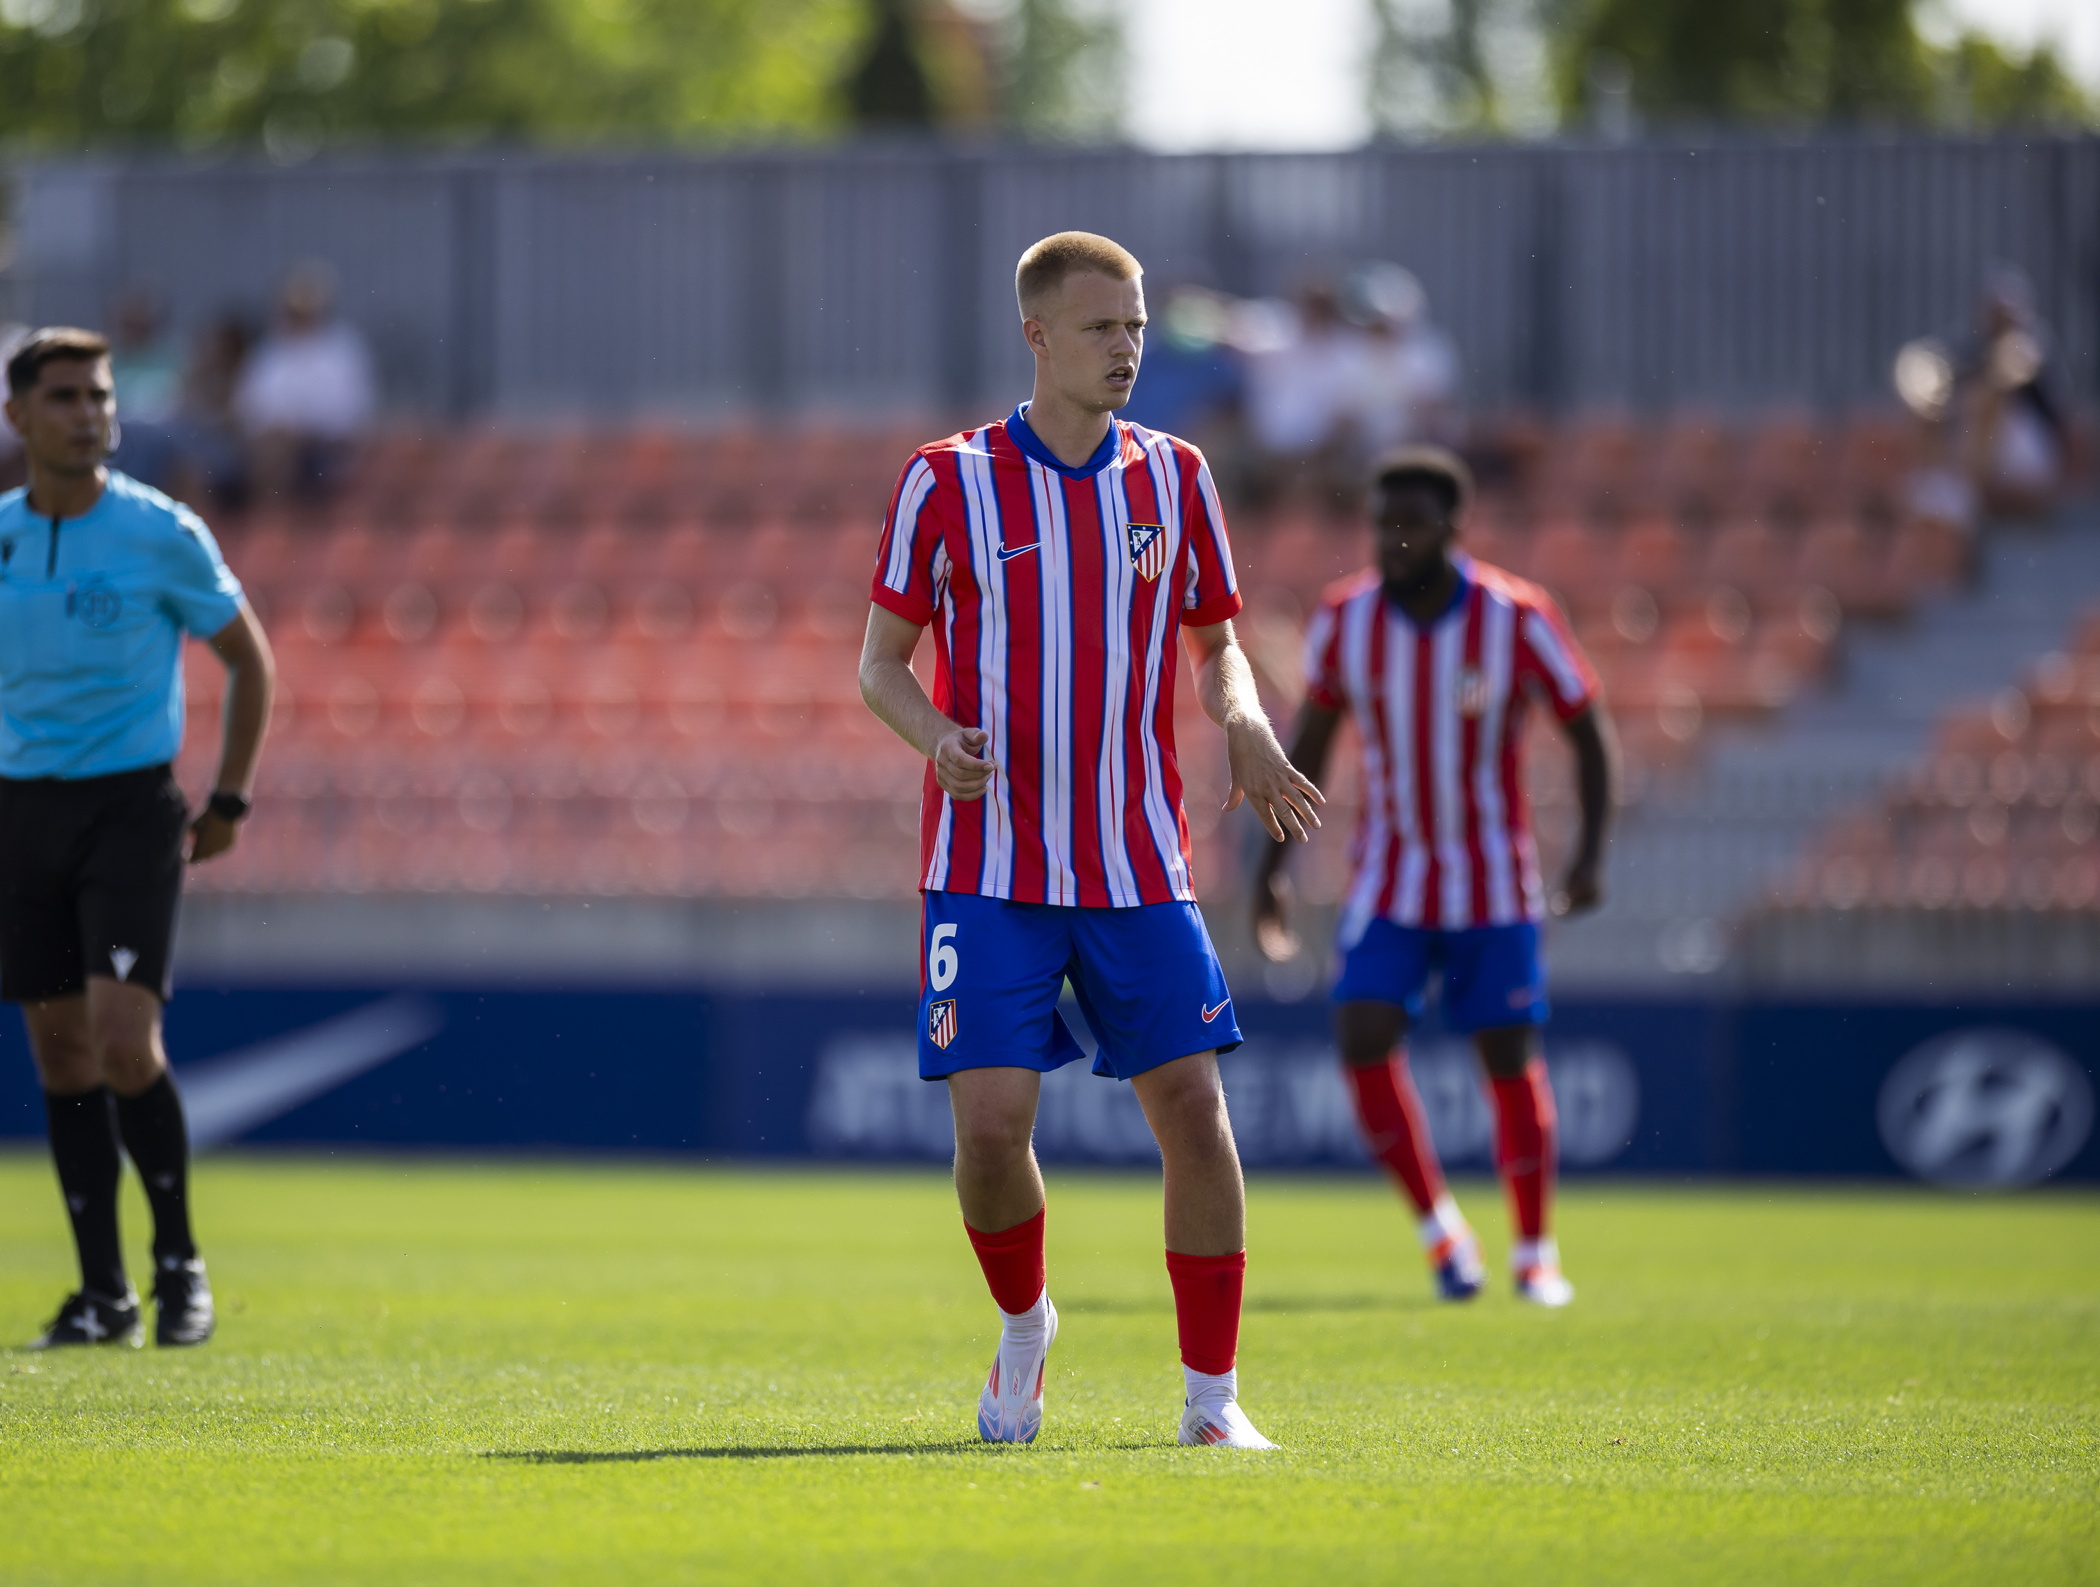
{"points": [[1536, 1267], [1010, 1410], [1213, 1415]]}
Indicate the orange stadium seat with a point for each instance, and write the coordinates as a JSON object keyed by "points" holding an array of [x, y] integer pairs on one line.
{"points": [[2005, 814], [1574, 562], [1840, 554], [1491, 538], [1690, 467], [1655, 554], [1748, 554]]}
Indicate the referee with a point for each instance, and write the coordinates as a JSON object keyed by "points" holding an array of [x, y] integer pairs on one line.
{"points": [[100, 579]]}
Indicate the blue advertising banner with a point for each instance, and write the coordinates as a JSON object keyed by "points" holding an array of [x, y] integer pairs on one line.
{"points": [[1976, 1094], [1963, 1094]]}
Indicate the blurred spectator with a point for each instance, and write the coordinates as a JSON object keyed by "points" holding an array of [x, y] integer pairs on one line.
{"points": [[1304, 368], [308, 394], [2014, 435], [1994, 431], [211, 430], [1407, 374], [1298, 380], [1189, 378], [1341, 378], [148, 371]]}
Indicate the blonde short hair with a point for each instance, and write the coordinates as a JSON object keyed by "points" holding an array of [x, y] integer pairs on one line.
{"points": [[1043, 268]]}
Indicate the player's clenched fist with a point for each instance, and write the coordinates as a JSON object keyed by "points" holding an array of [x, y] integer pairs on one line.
{"points": [[956, 764]]}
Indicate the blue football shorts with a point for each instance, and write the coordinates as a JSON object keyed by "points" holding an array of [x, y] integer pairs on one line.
{"points": [[1493, 975], [1147, 980]]}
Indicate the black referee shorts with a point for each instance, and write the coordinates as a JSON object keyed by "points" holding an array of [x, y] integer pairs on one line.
{"points": [[90, 874]]}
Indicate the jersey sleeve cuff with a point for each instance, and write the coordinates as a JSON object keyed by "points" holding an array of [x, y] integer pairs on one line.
{"points": [[908, 607], [1216, 611], [1568, 710], [209, 619]]}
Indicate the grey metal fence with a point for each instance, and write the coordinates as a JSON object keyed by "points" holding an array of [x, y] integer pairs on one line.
{"points": [[866, 279]]}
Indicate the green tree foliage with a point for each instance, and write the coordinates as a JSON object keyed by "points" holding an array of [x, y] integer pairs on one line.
{"points": [[1430, 66], [1756, 60], [1796, 62], [1065, 70], [890, 86], [1988, 86], [1041, 69], [297, 74]]}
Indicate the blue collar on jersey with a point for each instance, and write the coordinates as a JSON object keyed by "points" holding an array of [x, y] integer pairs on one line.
{"points": [[1464, 564], [1032, 446]]}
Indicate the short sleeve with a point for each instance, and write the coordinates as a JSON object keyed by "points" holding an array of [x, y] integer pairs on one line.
{"points": [[196, 585], [1323, 659], [1549, 657], [912, 564], [1213, 592]]}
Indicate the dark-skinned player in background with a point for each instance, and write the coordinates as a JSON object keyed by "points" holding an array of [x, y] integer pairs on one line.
{"points": [[1438, 658]]}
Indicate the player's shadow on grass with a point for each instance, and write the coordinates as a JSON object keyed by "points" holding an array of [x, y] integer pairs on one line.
{"points": [[1287, 1304], [601, 1457]]}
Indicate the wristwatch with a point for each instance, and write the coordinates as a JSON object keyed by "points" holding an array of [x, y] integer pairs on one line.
{"points": [[229, 806]]}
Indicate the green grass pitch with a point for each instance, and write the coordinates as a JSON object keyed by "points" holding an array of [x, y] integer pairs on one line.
{"points": [[521, 1372]]}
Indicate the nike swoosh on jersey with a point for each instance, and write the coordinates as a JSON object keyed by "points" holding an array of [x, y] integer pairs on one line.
{"points": [[1210, 1014], [1008, 556]]}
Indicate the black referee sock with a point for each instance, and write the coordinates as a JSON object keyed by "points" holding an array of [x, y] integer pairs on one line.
{"points": [[84, 1146], [159, 1144]]}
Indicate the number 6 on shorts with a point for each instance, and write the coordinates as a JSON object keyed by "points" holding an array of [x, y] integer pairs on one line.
{"points": [[941, 963]]}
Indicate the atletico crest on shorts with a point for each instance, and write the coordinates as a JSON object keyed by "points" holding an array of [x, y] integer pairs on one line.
{"points": [[940, 1022], [1148, 549]]}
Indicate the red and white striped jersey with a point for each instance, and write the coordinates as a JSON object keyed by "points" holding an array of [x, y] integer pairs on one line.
{"points": [[1444, 840], [1057, 597]]}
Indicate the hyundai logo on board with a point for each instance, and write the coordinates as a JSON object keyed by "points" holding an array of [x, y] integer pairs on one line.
{"points": [[1985, 1108]]}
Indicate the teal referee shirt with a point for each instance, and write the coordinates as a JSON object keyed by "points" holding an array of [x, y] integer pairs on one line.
{"points": [[93, 611]]}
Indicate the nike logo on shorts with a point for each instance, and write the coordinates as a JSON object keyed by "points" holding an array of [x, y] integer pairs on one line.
{"points": [[1210, 1014], [1008, 556]]}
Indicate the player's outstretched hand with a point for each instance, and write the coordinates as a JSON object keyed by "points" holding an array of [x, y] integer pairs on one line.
{"points": [[1581, 892], [1272, 910], [1262, 775], [956, 765], [211, 835]]}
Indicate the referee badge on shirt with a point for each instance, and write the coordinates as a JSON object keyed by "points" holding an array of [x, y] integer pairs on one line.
{"points": [[95, 603], [940, 1022], [1148, 549]]}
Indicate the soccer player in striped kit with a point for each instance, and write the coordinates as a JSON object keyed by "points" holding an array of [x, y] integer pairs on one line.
{"points": [[1062, 558], [1437, 659]]}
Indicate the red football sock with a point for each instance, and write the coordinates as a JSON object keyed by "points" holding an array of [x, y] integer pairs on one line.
{"points": [[1390, 1112], [1012, 1261], [1524, 1146], [1207, 1293]]}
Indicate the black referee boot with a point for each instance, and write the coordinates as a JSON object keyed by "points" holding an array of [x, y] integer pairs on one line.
{"points": [[182, 1309], [87, 1318]]}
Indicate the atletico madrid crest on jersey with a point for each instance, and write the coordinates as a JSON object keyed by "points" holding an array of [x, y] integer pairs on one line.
{"points": [[940, 1022], [1148, 550], [1470, 694]]}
